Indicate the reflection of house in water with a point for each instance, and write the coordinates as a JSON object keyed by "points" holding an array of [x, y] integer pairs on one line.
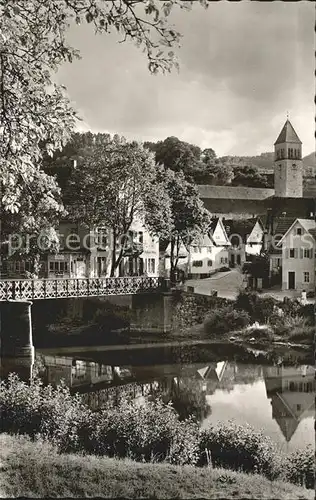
{"points": [[75, 372], [291, 391]]}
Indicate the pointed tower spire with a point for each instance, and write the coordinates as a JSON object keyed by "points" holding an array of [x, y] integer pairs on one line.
{"points": [[288, 134], [288, 168]]}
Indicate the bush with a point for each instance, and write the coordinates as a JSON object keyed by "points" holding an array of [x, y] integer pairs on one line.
{"points": [[152, 431], [239, 447], [224, 320], [290, 326], [258, 308], [35, 410], [262, 334], [149, 432], [300, 467]]}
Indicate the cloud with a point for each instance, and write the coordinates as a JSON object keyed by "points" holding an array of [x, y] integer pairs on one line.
{"points": [[243, 65]]}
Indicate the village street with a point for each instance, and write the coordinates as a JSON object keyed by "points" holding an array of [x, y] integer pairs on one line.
{"points": [[226, 284]]}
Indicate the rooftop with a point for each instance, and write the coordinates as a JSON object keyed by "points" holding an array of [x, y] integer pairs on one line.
{"points": [[234, 193], [288, 134]]}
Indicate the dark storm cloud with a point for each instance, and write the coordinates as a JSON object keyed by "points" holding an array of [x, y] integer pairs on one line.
{"points": [[242, 66]]}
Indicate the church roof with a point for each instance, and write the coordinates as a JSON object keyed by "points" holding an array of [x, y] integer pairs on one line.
{"points": [[234, 193], [288, 134]]}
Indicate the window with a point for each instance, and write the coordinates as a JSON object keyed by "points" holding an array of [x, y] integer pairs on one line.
{"points": [[299, 230], [298, 407], [292, 253], [58, 267], [20, 266], [149, 266], [209, 263], [197, 263], [307, 253], [306, 277], [141, 237]]}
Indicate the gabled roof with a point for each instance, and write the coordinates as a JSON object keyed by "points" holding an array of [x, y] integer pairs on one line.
{"points": [[242, 227], [308, 224], [234, 193], [215, 224], [288, 134], [202, 241]]}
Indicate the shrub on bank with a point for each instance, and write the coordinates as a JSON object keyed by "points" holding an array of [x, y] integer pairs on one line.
{"points": [[241, 448], [149, 432], [300, 467], [36, 410], [258, 308], [225, 319]]}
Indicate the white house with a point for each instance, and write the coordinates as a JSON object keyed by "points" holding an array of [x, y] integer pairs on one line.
{"points": [[298, 256], [209, 253], [86, 253], [205, 254]]}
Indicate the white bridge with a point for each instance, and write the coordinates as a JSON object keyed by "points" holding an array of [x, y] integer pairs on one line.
{"points": [[58, 288]]}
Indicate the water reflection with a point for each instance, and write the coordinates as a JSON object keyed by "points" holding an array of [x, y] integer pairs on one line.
{"points": [[291, 392], [278, 398]]}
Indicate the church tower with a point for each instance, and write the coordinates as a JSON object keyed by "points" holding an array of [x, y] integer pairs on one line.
{"points": [[288, 167]]}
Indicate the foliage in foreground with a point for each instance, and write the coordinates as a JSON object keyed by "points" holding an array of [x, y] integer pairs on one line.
{"points": [[146, 433], [241, 448], [225, 319], [36, 469]]}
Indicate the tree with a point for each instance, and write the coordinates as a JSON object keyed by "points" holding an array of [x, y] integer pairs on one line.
{"points": [[249, 176], [113, 187], [177, 155], [30, 233], [188, 219], [216, 172], [35, 113]]}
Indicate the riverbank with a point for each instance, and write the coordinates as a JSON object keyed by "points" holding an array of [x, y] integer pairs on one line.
{"points": [[250, 321], [35, 469]]}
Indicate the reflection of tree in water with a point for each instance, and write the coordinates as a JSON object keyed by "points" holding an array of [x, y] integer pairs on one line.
{"points": [[187, 397], [242, 374]]}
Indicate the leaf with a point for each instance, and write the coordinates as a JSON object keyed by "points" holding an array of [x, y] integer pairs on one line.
{"points": [[89, 17]]}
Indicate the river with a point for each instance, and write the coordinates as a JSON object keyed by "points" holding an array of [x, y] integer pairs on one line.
{"points": [[276, 396]]}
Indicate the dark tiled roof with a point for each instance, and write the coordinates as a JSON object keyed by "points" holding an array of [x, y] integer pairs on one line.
{"points": [[234, 193], [282, 224], [288, 134], [242, 227], [313, 233]]}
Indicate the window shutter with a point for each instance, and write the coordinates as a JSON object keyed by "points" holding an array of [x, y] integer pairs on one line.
{"points": [[311, 253], [286, 253], [301, 253], [295, 253]]}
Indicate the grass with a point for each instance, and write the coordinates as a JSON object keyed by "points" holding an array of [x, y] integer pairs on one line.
{"points": [[35, 469]]}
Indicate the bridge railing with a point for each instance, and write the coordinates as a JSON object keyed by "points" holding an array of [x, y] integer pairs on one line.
{"points": [[56, 288]]}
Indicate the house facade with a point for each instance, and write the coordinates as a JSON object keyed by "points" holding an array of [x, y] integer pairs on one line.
{"points": [[298, 256], [85, 252], [206, 253]]}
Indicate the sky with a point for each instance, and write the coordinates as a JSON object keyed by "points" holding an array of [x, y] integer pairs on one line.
{"points": [[243, 67]]}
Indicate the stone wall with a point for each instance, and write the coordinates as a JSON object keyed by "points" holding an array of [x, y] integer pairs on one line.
{"points": [[189, 309]]}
